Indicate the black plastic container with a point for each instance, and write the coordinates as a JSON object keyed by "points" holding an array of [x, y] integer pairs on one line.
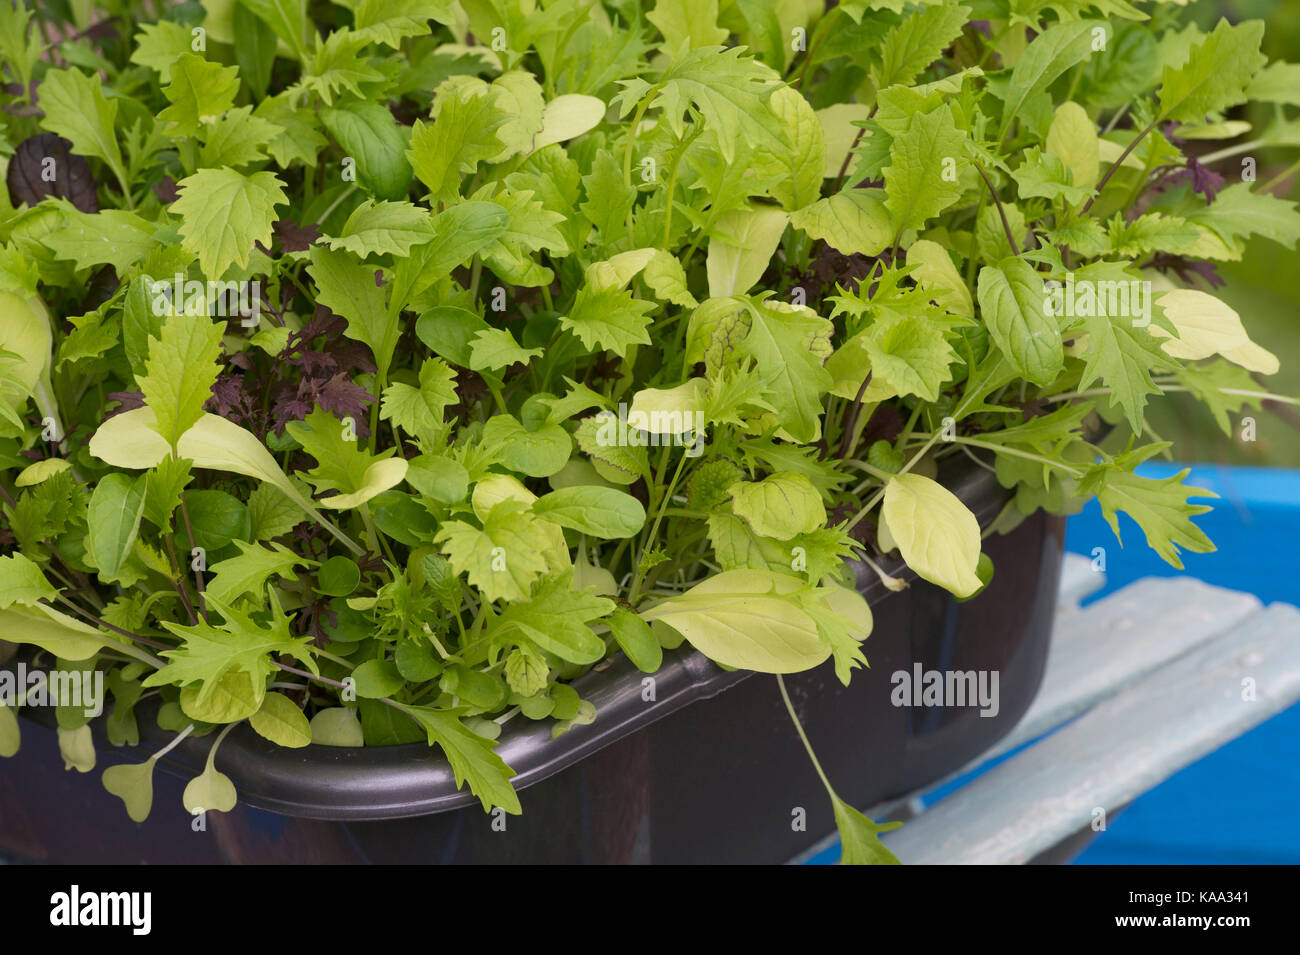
{"points": [[724, 779]]}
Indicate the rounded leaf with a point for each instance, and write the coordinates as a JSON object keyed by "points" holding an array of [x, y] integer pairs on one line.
{"points": [[936, 533], [280, 721]]}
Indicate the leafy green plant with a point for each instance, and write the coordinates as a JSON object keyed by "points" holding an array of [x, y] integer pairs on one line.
{"points": [[580, 328]]}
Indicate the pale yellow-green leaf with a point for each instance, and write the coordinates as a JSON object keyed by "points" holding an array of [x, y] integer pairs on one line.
{"points": [[805, 156], [936, 533], [1206, 326], [781, 506], [133, 784], [337, 726], [44, 627], [615, 272], [839, 133], [280, 721], [36, 473], [740, 618], [379, 477], [129, 441], [235, 697], [568, 116], [851, 222], [669, 410], [935, 272], [210, 791], [77, 748], [740, 248], [667, 279], [1072, 137]]}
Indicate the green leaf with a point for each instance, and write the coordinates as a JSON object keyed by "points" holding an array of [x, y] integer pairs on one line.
{"points": [[65, 637], [419, 411], [348, 287], [162, 494], [287, 18], [341, 464], [368, 133], [255, 53], [337, 726], [780, 506], [471, 756], [730, 90], [383, 228], [918, 185], [609, 318], [805, 158], [110, 236], [1044, 174], [247, 573], [745, 619], [133, 784], [741, 245], [1159, 506], [338, 576], [131, 440], [199, 91], [1072, 138], [854, 221], [694, 22], [602, 512], [609, 199], [635, 639], [909, 353], [1058, 48], [1012, 302], [539, 453], [792, 341], [860, 837], [936, 533], [557, 619], [238, 651], [463, 133], [495, 348], [75, 108], [159, 45], [280, 721], [934, 271], [211, 790], [504, 557], [116, 506], [1215, 75], [223, 213], [237, 139], [181, 369], [1120, 351], [917, 42], [22, 582]]}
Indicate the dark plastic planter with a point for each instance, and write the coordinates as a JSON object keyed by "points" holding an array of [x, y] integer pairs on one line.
{"points": [[723, 780]]}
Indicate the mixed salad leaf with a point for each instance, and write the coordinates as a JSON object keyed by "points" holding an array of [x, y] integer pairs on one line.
{"points": [[370, 370]]}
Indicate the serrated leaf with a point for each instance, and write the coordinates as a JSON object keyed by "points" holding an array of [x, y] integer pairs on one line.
{"points": [[1215, 75], [180, 371], [199, 91], [224, 213]]}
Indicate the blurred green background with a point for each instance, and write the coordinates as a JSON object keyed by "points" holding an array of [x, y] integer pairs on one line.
{"points": [[1264, 287]]}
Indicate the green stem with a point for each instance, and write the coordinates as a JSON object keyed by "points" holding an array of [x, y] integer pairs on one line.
{"points": [[803, 737]]}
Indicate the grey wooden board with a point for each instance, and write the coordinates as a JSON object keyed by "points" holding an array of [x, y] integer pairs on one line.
{"points": [[1078, 579], [1119, 749], [1099, 650]]}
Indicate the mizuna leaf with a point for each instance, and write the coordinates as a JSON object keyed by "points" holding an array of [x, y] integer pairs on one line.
{"points": [[471, 756], [936, 533], [1159, 506]]}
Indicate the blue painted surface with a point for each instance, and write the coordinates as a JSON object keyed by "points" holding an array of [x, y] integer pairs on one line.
{"points": [[1239, 804]]}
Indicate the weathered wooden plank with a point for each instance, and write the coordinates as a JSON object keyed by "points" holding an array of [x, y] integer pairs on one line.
{"points": [[1098, 651], [1119, 749], [1078, 579]]}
